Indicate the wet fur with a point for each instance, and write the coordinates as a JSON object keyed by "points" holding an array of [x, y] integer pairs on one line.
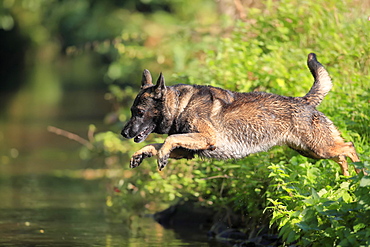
{"points": [[216, 123]]}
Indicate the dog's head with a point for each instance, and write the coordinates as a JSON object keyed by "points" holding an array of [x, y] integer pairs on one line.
{"points": [[147, 109]]}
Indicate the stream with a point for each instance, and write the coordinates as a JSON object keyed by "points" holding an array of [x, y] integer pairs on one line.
{"points": [[42, 206]]}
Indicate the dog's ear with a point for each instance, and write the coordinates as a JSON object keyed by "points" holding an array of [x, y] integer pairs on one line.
{"points": [[146, 80], [160, 87]]}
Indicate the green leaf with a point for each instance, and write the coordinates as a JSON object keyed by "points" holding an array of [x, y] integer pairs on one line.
{"points": [[314, 194], [365, 181], [292, 236], [303, 226], [358, 227]]}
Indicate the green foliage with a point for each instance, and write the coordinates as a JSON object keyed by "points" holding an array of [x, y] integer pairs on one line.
{"points": [[268, 53], [112, 39], [308, 201], [163, 40], [336, 215]]}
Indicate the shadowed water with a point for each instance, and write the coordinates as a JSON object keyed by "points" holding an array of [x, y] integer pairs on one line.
{"points": [[42, 206]]}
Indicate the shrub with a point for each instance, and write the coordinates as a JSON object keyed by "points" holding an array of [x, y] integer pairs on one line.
{"points": [[309, 202]]}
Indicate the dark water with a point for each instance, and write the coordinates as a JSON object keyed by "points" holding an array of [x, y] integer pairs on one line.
{"points": [[50, 211], [41, 205]]}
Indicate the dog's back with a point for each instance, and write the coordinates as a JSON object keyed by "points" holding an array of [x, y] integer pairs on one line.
{"points": [[252, 122], [256, 121]]}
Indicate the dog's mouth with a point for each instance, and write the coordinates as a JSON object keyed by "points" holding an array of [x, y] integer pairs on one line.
{"points": [[144, 134]]}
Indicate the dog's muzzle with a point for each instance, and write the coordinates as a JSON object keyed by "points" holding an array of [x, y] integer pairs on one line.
{"points": [[138, 135]]}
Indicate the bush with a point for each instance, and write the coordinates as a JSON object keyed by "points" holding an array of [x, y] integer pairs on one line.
{"points": [[308, 201]]}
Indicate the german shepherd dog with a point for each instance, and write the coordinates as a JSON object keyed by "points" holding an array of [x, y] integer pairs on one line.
{"points": [[216, 123]]}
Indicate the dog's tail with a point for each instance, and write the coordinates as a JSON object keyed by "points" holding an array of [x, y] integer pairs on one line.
{"points": [[322, 84]]}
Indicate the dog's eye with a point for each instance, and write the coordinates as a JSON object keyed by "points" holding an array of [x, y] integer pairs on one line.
{"points": [[140, 112]]}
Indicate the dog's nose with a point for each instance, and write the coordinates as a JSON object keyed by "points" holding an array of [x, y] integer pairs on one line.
{"points": [[124, 133]]}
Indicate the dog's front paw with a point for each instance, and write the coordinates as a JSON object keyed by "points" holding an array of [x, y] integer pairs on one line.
{"points": [[136, 159], [162, 161]]}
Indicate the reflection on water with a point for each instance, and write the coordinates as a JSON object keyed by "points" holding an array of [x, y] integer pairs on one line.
{"points": [[51, 211], [41, 207]]}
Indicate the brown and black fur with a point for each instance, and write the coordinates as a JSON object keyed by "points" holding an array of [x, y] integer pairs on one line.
{"points": [[216, 123]]}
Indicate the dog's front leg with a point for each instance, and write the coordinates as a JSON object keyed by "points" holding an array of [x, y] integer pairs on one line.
{"points": [[152, 149], [192, 141], [145, 152]]}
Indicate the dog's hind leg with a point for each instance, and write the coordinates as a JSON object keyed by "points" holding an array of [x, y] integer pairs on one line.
{"points": [[342, 161], [323, 141], [340, 152]]}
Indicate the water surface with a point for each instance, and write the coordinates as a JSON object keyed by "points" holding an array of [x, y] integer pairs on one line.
{"points": [[41, 205]]}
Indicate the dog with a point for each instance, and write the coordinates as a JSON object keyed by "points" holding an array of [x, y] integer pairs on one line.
{"points": [[216, 123]]}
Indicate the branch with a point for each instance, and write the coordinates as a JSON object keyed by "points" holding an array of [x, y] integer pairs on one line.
{"points": [[219, 176], [70, 136]]}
